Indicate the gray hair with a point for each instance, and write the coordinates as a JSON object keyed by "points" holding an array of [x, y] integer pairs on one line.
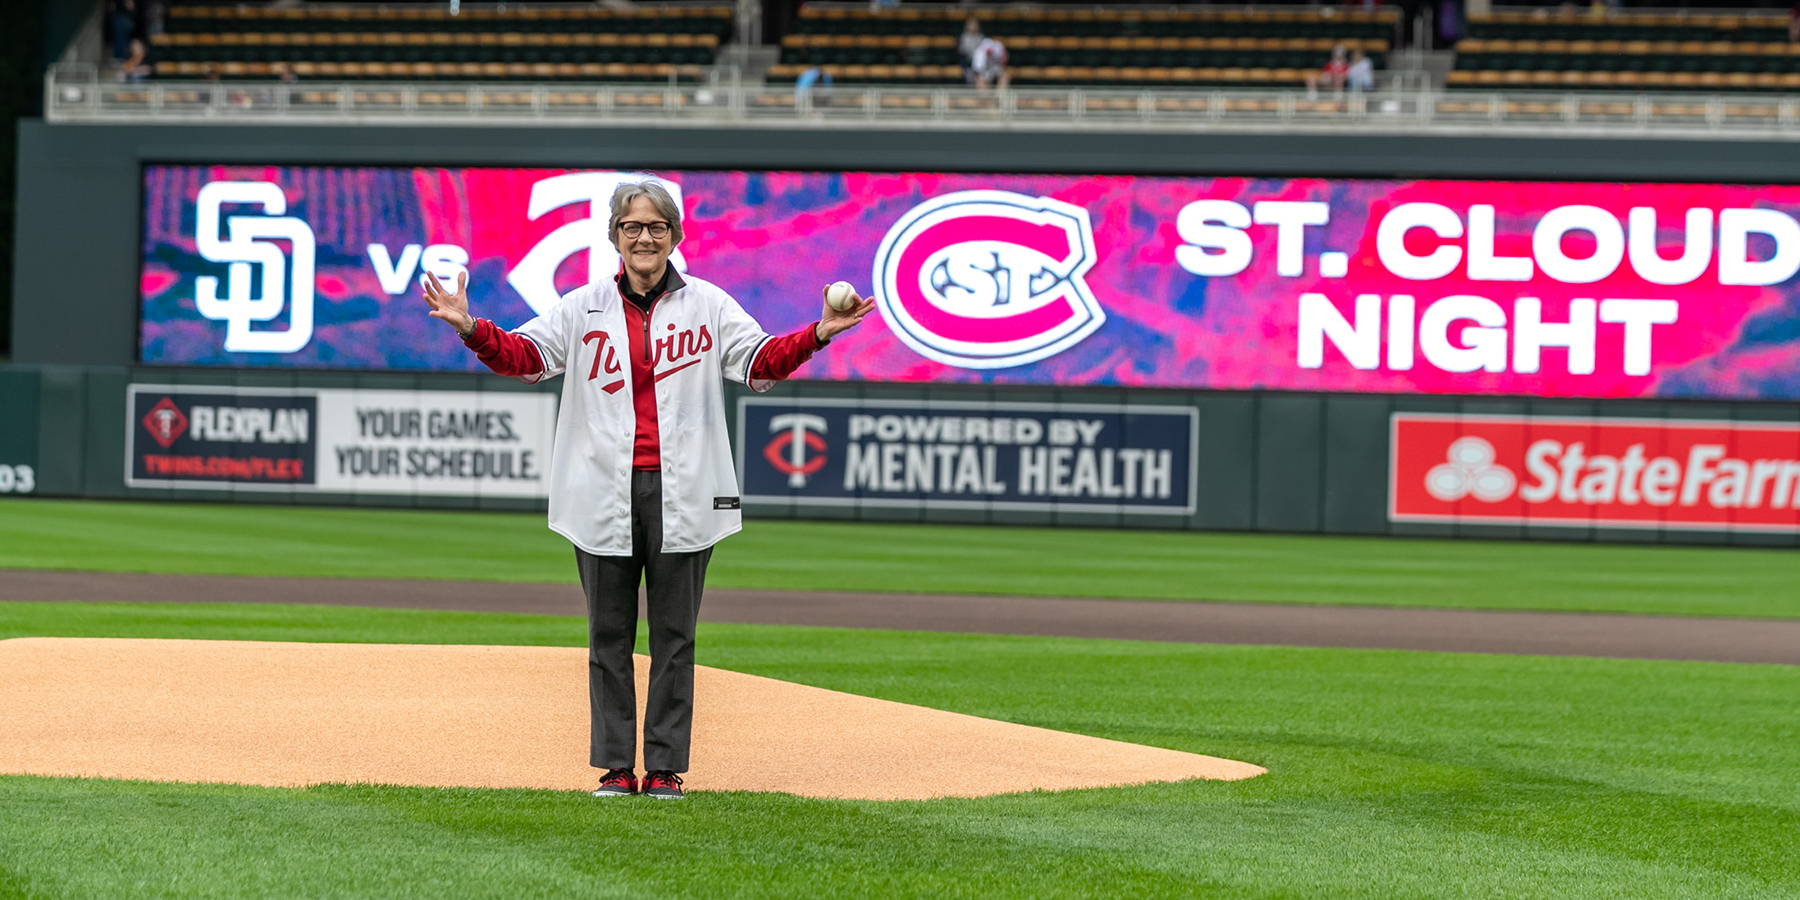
{"points": [[658, 196]]}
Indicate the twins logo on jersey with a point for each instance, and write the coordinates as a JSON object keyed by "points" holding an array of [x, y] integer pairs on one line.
{"points": [[988, 279], [671, 348]]}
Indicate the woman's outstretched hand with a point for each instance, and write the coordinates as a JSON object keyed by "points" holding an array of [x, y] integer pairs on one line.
{"points": [[452, 308], [833, 322]]}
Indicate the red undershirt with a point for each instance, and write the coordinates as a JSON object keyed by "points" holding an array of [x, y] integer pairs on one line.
{"points": [[515, 357]]}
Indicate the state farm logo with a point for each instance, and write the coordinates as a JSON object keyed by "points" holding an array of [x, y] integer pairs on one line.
{"points": [[1587, 472], [988, 279], [795, 434], [251, 244], [165, 423], [1470, 471]]}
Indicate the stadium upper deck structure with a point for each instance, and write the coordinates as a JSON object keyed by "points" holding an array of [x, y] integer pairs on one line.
{"points": [[1120, 67]]}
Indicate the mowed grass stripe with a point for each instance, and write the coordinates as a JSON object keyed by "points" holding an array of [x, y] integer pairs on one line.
{"points": [[326, 542], [1393, 775]]}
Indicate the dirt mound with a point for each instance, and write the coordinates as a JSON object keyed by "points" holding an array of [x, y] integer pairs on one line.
{"points": [[291, 714]]}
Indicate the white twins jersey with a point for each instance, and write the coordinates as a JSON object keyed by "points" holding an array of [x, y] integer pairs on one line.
{"points": [[699, 336]]}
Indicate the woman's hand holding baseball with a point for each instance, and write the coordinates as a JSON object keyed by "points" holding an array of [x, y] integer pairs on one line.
{"points": [[452, 308], [833, 322]]}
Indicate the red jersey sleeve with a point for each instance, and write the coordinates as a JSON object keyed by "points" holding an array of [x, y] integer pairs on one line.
{"points": [[506, 353], [779, 357]]}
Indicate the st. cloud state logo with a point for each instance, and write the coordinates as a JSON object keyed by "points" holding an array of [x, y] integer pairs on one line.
{"points": [[988, 279]]}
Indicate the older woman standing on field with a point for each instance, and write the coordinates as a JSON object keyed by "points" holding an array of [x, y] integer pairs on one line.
{"points": [[641, 477]]}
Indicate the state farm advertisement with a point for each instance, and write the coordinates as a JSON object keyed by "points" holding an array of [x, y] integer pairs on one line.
{"points": [[1621, 473], [441, 443], [1427, 287]]}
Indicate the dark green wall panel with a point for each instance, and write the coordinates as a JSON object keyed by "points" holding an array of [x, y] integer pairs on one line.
{"points": [[103, 461], [1226, 467], [62, 419], [1289, 436], [19, 431], [1354, 500]]}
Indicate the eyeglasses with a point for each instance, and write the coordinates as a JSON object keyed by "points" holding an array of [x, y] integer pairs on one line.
{"points": [[635, 230]]}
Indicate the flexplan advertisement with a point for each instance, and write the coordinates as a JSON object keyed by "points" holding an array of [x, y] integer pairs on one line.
{"points": [[1461, 287], [446, 443], [1620, 473]]}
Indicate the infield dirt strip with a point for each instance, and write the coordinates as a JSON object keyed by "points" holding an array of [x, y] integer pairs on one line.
{"points": [[294, 714]]}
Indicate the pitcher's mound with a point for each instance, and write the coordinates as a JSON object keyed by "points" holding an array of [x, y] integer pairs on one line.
{"points": [[292, 714]]}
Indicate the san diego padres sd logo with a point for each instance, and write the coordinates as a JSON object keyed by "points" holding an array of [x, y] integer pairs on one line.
{"points": [[988, 279]]}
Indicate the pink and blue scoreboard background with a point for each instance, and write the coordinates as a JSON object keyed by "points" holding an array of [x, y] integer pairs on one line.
{"points": [[772, 239]]}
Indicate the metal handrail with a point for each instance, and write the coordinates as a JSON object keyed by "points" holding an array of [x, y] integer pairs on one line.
{"points": [[727, 103]]}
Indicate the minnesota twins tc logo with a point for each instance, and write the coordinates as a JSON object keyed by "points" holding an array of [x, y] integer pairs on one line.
{"points": [[988, 279], [794, 434], [250, 245]]}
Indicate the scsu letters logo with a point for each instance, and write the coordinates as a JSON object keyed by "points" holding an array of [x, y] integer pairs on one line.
{"points": [[251, 243], [988, 279]]}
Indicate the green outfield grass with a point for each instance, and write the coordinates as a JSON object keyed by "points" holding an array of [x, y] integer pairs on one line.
{"points": [[1393, 775], [836, 556]]}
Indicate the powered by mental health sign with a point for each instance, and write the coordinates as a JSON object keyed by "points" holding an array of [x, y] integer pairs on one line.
{"points": [[956, 455]]}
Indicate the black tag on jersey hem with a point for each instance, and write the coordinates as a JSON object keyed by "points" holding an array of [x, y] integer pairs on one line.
{"points": [[725, 503]]}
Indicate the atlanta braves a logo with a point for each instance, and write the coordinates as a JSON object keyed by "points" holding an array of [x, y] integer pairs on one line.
{"points": [[795, 433], [988, 279], [535, 275]]}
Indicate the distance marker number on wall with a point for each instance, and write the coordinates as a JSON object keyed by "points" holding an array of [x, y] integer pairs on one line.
{"points": [[17, 479]]}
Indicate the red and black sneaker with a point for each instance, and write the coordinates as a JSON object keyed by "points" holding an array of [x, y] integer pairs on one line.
{"points": [[617, 783], [662, 785]]}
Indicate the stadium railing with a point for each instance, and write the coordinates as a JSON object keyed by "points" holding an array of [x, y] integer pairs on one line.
{"points": [[76, 96]]}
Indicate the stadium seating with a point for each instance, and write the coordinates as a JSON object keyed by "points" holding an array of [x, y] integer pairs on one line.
{"points": [[1515, 50], [1138, 48], [648, 43]]}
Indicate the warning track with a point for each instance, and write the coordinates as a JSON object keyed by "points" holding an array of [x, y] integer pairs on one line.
{"points": [[1458, 631]]}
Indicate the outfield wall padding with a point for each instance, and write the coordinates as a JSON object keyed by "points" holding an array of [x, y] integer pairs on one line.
{"points": [[1264, 461]]}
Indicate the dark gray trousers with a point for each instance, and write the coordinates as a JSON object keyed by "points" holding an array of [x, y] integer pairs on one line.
{"points": [[673, 583]]}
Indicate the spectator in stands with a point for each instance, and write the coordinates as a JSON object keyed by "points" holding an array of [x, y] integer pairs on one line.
{"points": [[1335, 73], [966, 46], [134, 69], [1360, 77], [1449, 23], [1794, 24], [124, 24], [812, 76], [989, 65]]}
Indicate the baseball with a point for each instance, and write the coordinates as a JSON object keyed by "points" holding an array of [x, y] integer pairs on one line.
{"points": [[840, 296]]}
